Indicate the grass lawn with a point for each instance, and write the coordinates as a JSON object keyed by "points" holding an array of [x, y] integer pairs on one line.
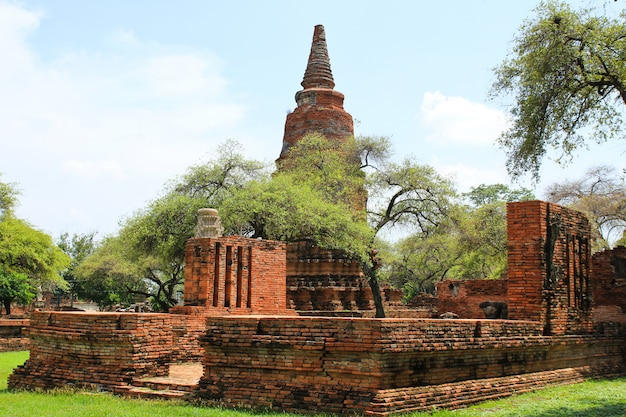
{"points": [[605, 398]]}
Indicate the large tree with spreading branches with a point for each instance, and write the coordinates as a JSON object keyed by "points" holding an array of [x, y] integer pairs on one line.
{"points": [[567, 77]]}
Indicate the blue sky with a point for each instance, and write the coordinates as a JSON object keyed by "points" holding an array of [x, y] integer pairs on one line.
{"points": [[103, 102]]}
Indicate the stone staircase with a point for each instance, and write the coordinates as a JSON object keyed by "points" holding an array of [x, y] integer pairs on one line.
{"points": [[179, 384]]}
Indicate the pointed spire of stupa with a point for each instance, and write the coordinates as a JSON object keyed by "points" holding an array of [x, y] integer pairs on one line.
{"points": [[318, 73], [320, 107]]}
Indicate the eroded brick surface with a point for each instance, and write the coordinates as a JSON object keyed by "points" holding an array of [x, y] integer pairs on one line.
{"points": [[378, 366]]}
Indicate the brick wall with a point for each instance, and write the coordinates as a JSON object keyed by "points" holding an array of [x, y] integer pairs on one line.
{"points": [[549, 266], [236, 275], [13, 335], [463, 297], [106, 350], [609, 285], [352, 365]]}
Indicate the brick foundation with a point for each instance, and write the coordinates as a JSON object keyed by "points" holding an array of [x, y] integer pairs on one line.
{"points": [[374, 366], [105, 350]]}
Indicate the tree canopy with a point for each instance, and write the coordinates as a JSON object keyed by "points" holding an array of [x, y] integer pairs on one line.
{"points": [[146, 258], [601, 194], [78, 247], [29, 260], [8, 198], [567, 75], [106, 277], [319, 194], [469, 243]]}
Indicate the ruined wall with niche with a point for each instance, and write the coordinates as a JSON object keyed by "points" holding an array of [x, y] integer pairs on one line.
{"points": [[464, 297], [234, 275], [549, 262], [609, 285]]}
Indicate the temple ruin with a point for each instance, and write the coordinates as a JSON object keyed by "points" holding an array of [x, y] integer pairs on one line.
{"points": [[257, 320]]}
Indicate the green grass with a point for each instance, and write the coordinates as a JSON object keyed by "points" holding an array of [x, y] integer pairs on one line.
{"points": [[9, 361], [605, 398], [599, 398]]}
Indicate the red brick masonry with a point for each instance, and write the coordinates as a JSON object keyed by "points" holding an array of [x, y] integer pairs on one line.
{"points": [[338, 365], [13, 335], [549, 259], [235, 275], [609, 285], [105, 350], [378, 367], [463, 297]]}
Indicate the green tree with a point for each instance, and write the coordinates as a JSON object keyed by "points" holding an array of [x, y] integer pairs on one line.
{"points": [[295, 204], [8, 198], [568, 78], [146, 258], [14, 287], [154, 241], [496, 193], [107, 277], [330, 168], [78, 247], [214, 180], [470, 243], [283, 208], [418, 263], [601, 194], [28, 252]]}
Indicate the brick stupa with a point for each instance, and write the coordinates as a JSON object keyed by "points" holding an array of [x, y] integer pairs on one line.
{"points": [[322, 282], [320, 106]]}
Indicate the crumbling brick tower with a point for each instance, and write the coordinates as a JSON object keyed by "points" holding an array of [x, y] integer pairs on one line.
{"points": [[318, 280], [549, 259], [320, 107]]}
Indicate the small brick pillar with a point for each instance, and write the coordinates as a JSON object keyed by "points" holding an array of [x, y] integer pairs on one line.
{"points": [[549, 258]]}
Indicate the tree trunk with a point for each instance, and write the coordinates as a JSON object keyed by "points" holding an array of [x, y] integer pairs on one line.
{"points": [[378, 298], [372, 279], [7, 305]]}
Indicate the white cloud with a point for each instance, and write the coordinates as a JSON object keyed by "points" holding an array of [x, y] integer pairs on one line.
{"points": [[174, 75], [468, 176], [95, 169], [124, 37], [133, 114], [456, 121], [15, 24]]}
